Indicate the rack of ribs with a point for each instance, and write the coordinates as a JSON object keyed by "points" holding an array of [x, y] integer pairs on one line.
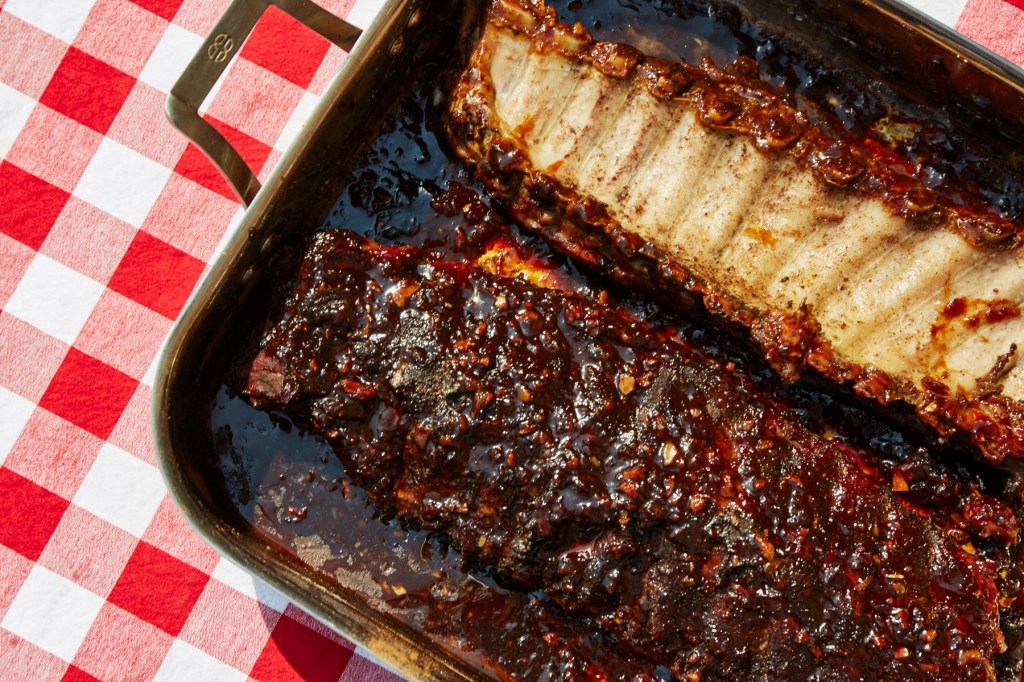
{"points": [[705, 185], [632, 477]]}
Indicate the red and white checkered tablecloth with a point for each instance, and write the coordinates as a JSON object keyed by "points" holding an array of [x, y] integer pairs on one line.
{"points": [[107, 220]]}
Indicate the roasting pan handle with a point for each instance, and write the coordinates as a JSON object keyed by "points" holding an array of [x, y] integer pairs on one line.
{"points": [[218, 49]]}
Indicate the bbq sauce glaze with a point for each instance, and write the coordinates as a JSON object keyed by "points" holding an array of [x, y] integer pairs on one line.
{"points": [[630, 478], [293, 490]]}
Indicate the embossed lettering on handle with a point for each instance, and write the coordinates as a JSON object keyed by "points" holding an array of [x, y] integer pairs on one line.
{"points": [[221, 47]]}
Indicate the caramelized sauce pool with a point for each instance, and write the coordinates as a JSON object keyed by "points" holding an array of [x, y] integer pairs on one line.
{"points": [[406, 189]]}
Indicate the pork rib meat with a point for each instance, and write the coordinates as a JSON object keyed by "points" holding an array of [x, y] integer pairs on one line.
{"points": [[635, 479]]}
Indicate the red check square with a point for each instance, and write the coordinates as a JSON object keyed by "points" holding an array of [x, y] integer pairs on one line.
{"points": [[335, 55], [55, 148], [196, 167], [171, 218], [325, 74], [170, 532], [30, 513], [259, 102], [105, 34], [20, 340], [120, 646], [30, 661], [132, 432], [229, 625], [123, 334], [198, 16], [141, 125], [156, 274], [162, 8], [70, 453], [15, 569], [158, 588], [31, 205], [286, 47], [75, 674], [99, 253], [88, 393], [298, 653], [996, 24], [87, 90], [25, 44], [339, 8], [72, 550], [15, 259]]}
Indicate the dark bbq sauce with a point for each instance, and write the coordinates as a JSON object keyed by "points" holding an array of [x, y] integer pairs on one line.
{"points": [[293, 490]]}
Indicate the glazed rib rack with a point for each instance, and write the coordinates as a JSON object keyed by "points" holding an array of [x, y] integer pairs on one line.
{"points": [[706, 183], [635, 479]]}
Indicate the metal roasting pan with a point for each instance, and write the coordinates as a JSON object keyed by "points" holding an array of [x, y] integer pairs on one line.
{"points": [[885, 39]]}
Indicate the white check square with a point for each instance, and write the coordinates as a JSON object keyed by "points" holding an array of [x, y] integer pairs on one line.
{"points": [[60, 18], [122, 182], [363, 13], [186, 662], [52, 612], [149, 378], [15, 108], [168, 61], [122, 490], [297, 120], [54, 298], [233, 576], [946, 11], [16, 412]]}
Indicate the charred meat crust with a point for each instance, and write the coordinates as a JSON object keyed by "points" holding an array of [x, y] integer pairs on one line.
{"points": [[731, 100], [635, 480]]}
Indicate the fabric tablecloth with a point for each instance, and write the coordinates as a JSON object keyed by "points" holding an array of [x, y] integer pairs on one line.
{"points": [[108, 218]]}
